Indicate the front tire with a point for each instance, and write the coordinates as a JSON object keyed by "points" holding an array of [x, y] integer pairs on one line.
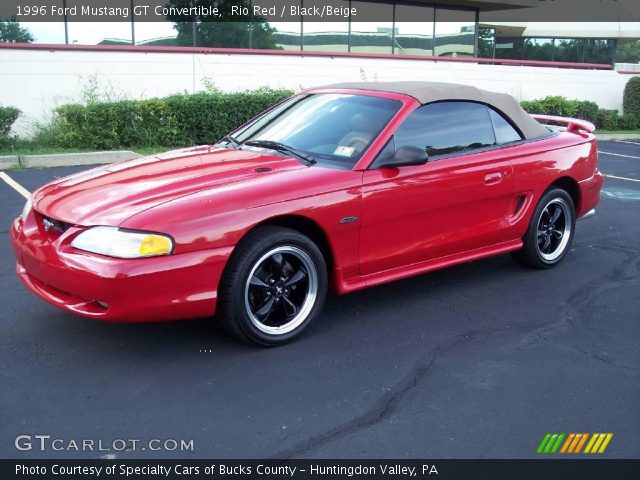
{"points": [[550, 233], [274, 286]]}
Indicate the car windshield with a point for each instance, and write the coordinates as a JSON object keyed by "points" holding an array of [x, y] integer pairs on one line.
{"points": [[332, 128]]}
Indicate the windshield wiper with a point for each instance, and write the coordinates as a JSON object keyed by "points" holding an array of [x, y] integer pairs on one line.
{"points": [[281, 147], [230, 139]]}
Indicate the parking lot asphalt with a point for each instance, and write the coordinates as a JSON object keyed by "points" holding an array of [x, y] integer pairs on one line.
{"points": [[476, 361]]}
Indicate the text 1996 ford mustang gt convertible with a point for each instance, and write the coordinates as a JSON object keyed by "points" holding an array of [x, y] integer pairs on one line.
{"points": [[339, 187]]}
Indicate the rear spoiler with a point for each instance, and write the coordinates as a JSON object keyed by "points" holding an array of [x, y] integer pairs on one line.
{"points": [[574, 125]]}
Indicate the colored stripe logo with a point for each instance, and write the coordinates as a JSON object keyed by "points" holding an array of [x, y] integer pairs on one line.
{"points": [[574, 443]]}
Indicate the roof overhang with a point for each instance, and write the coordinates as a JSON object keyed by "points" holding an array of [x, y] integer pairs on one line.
{"points": [[484, 5], [620, 30]]}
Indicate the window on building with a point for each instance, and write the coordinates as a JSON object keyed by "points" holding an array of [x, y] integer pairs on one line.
{"points": [[537, 48], [45, 32], [414, 30], [100, 33], [509, 48], [486, 42], [160, 33], [577, 50], [326, 36], [455, 32], [436, 128], [372, 37], [568, 50], [287, 36], [225, 34], [599, 51]]}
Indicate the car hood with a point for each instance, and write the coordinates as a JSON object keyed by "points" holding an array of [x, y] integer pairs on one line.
{"points": [[111, 194]]}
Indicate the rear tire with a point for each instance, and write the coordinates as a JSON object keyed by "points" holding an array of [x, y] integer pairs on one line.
{"points": [[550, 234], [274, 286]]}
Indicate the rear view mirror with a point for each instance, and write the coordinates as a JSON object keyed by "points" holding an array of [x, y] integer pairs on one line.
{"points": [[405, 156]]}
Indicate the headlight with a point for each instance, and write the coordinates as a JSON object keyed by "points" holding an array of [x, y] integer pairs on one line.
{"points": [[26, 209], [114, 242]]}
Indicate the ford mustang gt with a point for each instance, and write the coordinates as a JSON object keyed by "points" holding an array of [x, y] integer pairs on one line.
{"points": [[336, 188]]}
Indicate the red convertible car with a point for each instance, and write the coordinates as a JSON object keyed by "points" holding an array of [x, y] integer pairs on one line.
{"points": [[340, 187]]}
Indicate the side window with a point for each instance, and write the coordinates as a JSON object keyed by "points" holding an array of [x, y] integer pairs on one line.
{"points": [[444, 128], [505, 133]]}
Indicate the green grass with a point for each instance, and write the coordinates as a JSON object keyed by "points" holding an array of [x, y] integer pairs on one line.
{"points": [[150, 150], [25, 148], [625, 132]]}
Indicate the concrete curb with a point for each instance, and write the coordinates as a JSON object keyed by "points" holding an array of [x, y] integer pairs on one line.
{"points": [[617, 136], [9, 161], [69, 159]]}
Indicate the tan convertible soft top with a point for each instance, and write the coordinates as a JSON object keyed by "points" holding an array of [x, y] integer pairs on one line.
{"points": [[427, 92]]}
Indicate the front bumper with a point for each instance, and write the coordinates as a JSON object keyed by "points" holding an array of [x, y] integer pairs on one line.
{"points": [[122, 290]]}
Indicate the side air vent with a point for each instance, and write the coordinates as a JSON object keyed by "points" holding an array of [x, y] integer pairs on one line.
{"points": [[519, 204]]}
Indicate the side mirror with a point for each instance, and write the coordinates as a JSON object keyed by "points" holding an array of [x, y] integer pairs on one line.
{"points": [[405, 156]]}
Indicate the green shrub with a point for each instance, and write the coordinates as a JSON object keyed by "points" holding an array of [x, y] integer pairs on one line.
{"points": [[629, 121], [631, 97], [608, 120], [8, 115], [601, 118], [560, 106], [175, 121], [587, 111], [532, 106], [203, 118]]}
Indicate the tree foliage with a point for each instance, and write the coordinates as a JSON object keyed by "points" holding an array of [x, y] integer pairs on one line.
{"points": [[631, 98], [8, 115], [12, 32], [628, 52], [239, 31]]}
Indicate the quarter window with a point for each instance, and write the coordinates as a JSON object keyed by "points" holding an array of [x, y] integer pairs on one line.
{"points": [[505, 133], [446, 128]]}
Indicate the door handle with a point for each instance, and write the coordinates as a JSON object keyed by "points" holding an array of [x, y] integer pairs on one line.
{"points": [[492, 178]]}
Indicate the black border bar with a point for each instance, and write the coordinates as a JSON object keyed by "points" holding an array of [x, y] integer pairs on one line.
{"points": [[534, 469]]}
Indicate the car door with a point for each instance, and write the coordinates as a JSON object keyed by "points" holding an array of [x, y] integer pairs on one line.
{"points": [[459, 200]]}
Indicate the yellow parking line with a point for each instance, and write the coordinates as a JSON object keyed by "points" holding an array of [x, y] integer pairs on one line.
{"points": [[15, 185]]}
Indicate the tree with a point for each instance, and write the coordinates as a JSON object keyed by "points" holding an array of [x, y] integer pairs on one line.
{"points": [[628, 52], [12, 32], [237, 31], [631, 98]]}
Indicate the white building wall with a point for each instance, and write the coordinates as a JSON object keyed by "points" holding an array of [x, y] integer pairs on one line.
{"points": [[36, 81]]}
